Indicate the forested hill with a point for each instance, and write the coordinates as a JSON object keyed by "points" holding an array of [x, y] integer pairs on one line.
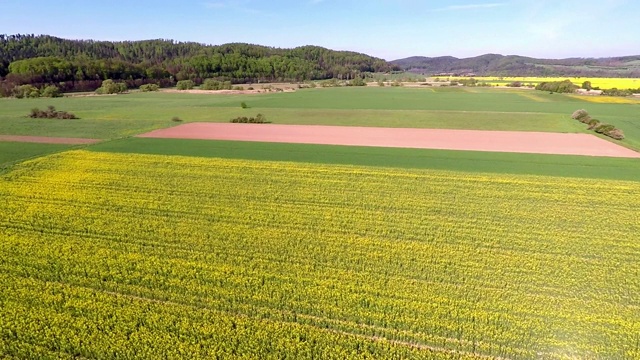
{"points": [[512, 65], [46, 59]]}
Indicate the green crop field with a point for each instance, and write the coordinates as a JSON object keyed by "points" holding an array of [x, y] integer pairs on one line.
{"points": [[108, 117], [14, 151], [467, 161], [141, 248]]}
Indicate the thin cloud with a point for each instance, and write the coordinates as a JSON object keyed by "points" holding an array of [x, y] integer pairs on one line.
{"points": [[470, 7]]}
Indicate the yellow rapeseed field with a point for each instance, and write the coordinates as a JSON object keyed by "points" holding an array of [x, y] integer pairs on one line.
{"points": [[148, 257], [603, 83], [607, 99]]}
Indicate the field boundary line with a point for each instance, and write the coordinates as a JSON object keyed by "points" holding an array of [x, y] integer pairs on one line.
{"points": [[48, 139]]}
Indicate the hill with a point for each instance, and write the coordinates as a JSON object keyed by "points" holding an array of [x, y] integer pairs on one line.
{"points": [[83, 64], [513, 65]]}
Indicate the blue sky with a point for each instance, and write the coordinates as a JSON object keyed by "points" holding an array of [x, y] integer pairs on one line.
{"points": [[389, 29]]}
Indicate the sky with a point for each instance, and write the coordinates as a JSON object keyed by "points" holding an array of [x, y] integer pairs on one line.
{"points": [[389, 29]]}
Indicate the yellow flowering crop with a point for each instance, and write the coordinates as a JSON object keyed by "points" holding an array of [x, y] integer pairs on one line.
{"points": [[608, 99], [142, 256], [603, 83]]}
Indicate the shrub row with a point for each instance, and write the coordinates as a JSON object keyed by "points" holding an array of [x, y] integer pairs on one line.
{"points": [[50, 113], [358, 81], [564, 86], [597, 126], [259, 119], [30, 91], [211, 84], [619, 92]]}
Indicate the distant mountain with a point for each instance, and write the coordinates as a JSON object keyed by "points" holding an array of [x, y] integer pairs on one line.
{"points": [[513, 65]]}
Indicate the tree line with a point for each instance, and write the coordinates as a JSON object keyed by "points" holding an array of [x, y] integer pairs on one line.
{"points": [[81, 65]]}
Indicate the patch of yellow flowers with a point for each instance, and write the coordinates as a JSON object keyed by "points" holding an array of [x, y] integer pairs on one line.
{"points": [[603, 83], [143, 256]]}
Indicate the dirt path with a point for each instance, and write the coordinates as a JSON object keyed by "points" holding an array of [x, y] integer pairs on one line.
{"points": [[47, 139], [474, 140]]}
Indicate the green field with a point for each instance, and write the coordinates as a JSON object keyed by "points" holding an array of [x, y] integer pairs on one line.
{"points": [[466, 161], [14, 151], [141, 248], [108, 117]]}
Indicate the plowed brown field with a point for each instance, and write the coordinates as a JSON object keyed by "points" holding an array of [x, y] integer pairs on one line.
{"points": [[474, 140]]}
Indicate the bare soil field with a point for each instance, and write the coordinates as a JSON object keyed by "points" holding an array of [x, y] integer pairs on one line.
{"points": [[48, 140], [473, 140]]}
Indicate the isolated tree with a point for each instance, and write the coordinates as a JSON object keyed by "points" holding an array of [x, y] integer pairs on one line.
{"points": [[586, 85]]}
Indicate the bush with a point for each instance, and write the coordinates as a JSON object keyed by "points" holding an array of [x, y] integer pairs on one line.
{"points": [[24, 91], [585, 120], [111, 87], [514, 84], [238, 88], [582, 116], [616, 134], [211, 84], [176, 119], [185, 85], [604, 129], [380, 83], [579, 114], [244, 105], [610, 131], [330, 83], [357, 82], [50, 113], [468, 82], [593, 123], [51, 91], [617, 92], [259, 119], [149, 87]]}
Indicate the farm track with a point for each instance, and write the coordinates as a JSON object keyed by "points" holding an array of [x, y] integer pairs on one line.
{"points": [[48, 140]]}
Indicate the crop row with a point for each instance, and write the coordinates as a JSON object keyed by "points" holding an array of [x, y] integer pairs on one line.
{"points": [[313, 260]]}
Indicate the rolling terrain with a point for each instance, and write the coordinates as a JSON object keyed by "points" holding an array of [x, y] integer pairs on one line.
{"points": [[137, 248]]}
